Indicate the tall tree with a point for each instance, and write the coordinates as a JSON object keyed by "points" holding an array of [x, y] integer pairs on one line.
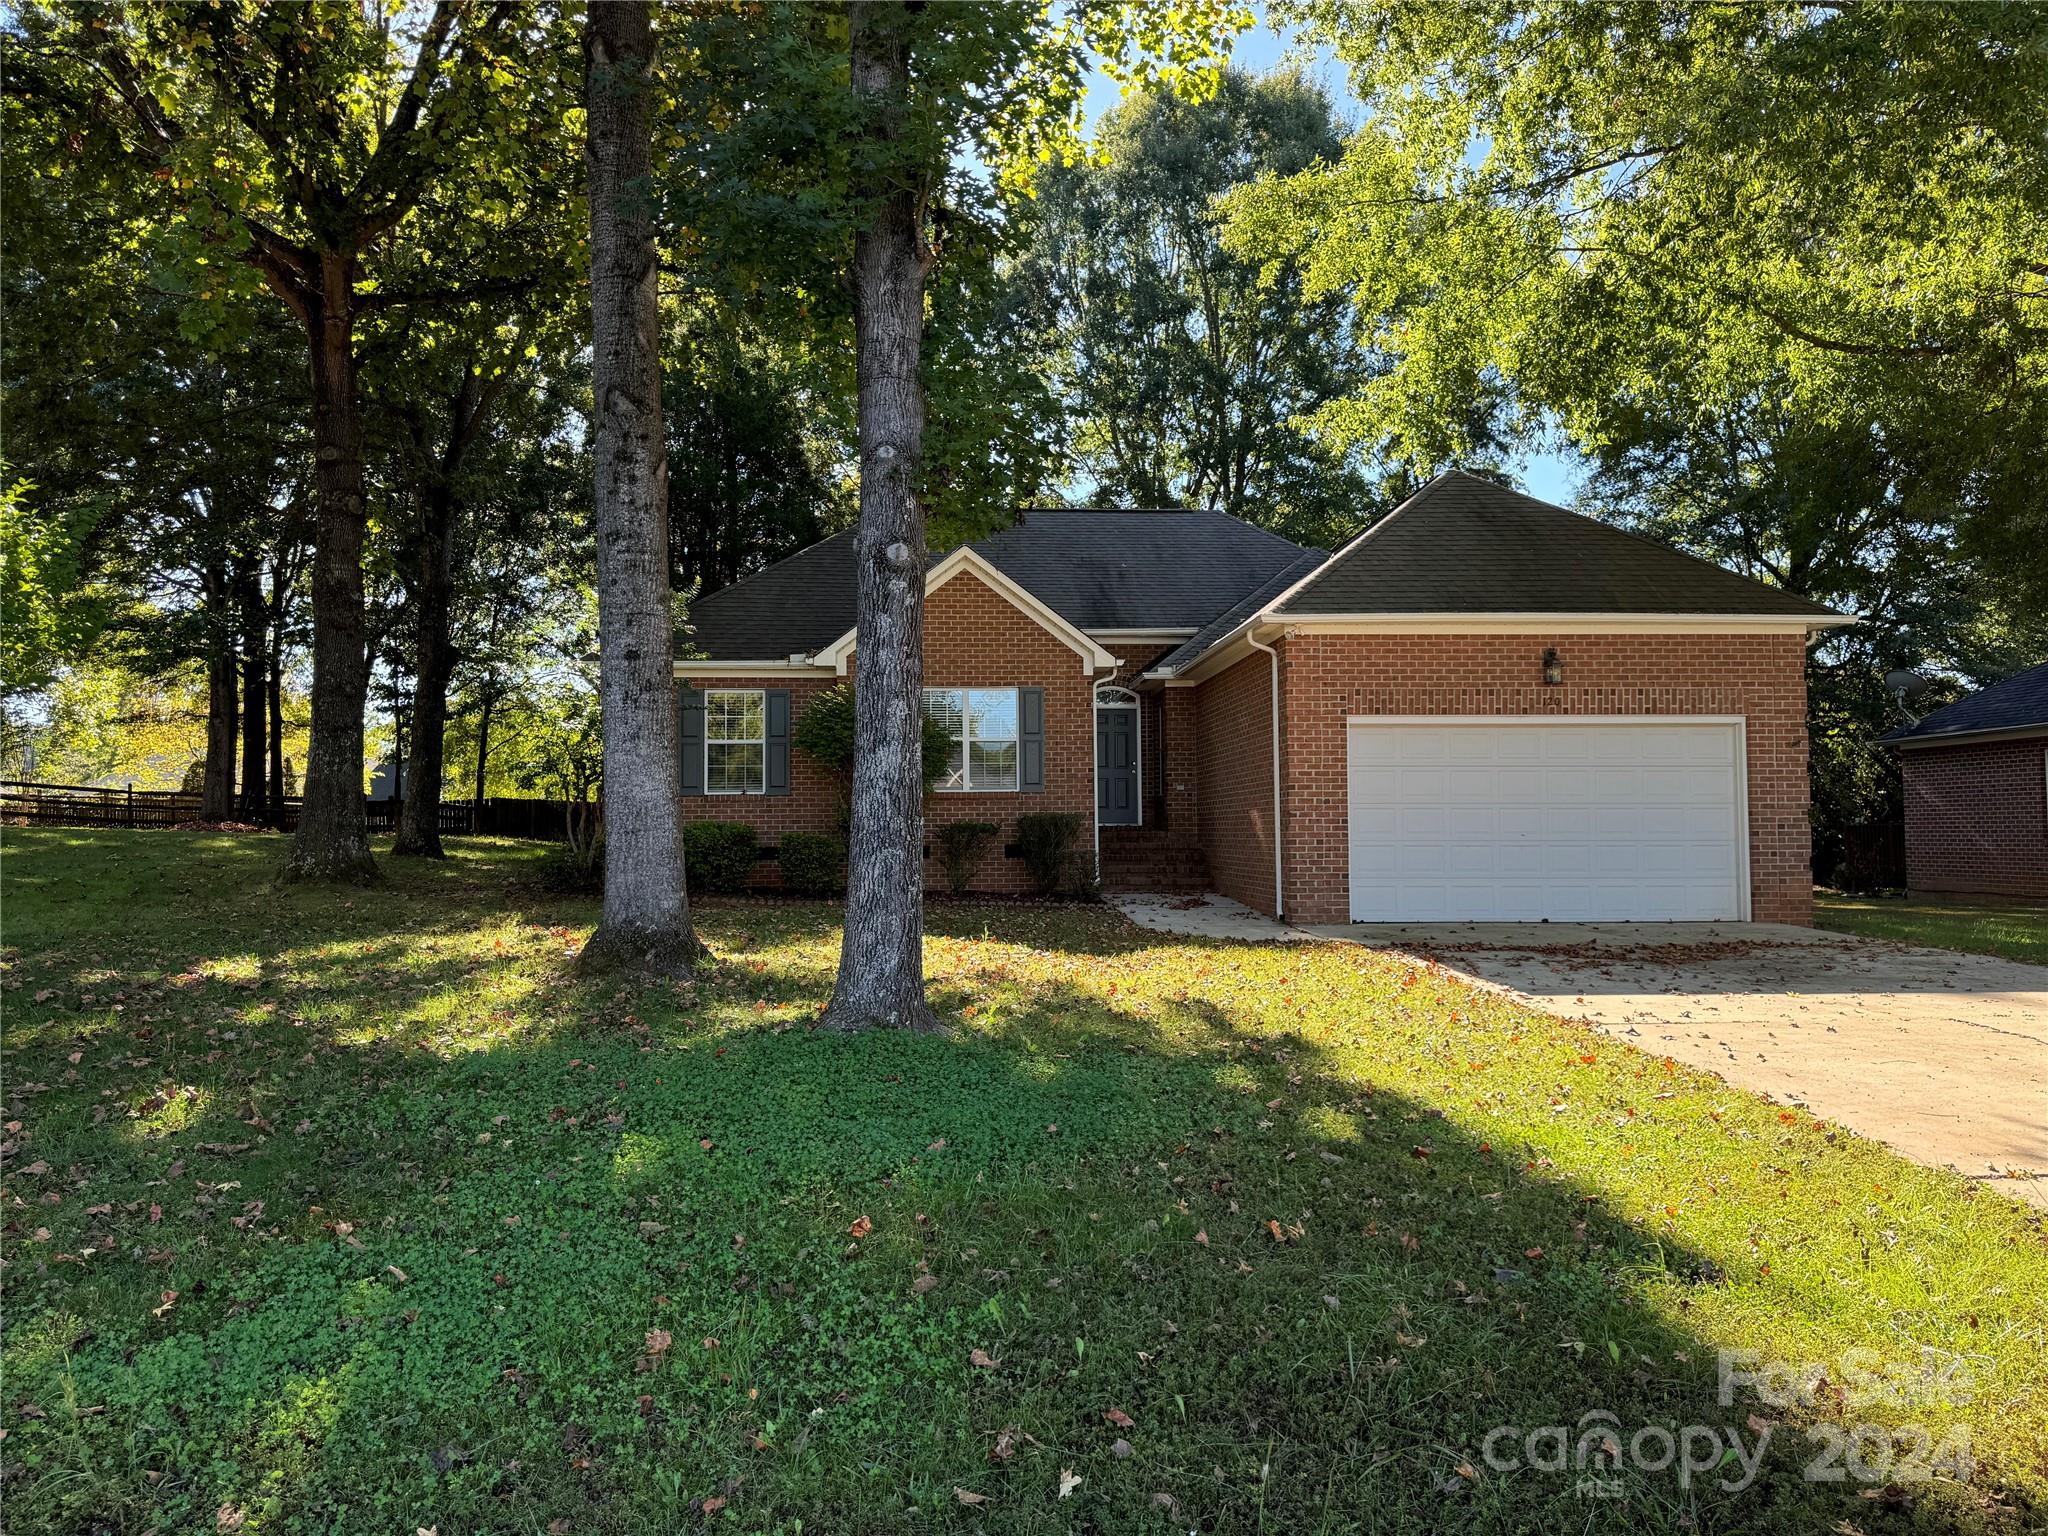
{"points": [[881, 968], [927, 83], [1186, 370], [646, 923], [311, 142], [1550, 199]]}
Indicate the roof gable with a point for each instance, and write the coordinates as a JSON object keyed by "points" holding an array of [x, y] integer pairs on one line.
{"points": [[967, 561], [2019, 703], [1094, 569], [1464, 545]]}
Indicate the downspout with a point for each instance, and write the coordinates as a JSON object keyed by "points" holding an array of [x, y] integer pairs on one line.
{"points": [[1279, 888]]}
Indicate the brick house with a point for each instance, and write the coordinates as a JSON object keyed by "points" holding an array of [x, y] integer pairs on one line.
{"points": [[1976, 781], [1484, 707]]}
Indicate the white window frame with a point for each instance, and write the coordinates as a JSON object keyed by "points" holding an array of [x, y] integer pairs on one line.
{"points": [[966, 739], [710, 741]]}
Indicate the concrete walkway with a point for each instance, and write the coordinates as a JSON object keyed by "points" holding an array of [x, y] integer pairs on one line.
{"points": [[1942, 1055]]}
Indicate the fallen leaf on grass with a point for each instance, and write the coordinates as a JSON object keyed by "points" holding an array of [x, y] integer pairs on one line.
{"points": [[1006, 1444], [861, 1227], [1121, 1449], [982, 1358], [1069, 1481], [1119, 1418], [922, 1284], [658, 1341], [969, 1496]]}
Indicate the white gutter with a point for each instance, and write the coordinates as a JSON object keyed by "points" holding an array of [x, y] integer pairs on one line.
{"points": [[1279, 866]]}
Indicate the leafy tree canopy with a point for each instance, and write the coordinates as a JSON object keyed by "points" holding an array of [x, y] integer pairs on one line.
{"points": [[1184, 370], [1567, 210]]}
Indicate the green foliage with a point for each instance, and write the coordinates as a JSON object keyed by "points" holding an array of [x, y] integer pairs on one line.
{"points": [[963, 845], [1187, 372], [1560, 213], [1048, 841], [812, 863], [824, 734], [49, 613], [573, 869], [473, 1191], [719, 856]]}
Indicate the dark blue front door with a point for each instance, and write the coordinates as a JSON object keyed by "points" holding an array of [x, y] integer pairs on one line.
{"points": [[1116, 766]]}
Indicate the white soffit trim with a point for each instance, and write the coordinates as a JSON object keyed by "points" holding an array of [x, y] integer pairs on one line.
{"points": [[1093, 657], [750, 669]]}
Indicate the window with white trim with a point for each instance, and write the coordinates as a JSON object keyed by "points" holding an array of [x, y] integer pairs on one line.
{"points": [[735, 741], [982, 723]]}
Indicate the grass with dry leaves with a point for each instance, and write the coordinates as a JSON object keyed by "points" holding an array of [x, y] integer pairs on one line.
{"points": [[2014, 929], [358, 1211]]}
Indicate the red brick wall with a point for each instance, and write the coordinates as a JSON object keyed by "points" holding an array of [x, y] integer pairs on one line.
{"points": [[1234, 779], [1977, 818], [1329, 677], [973, 638]]}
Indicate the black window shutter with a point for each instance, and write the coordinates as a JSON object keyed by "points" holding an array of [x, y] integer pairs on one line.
{"points": [[690, 738], [1031, 740], [778, 741]]}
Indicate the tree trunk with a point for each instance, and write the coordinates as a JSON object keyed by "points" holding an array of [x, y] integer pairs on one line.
{"points": [[333, 840], [483, 757], [646, 921], [255, 654], [274, 688], [217, 787], [881, 964], [419, 824]]}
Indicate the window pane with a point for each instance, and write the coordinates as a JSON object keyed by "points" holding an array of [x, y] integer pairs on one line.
{"points": [[955, 776], [943, 705], [993, 714], [734, 768], [735, 714], [994, 766]]}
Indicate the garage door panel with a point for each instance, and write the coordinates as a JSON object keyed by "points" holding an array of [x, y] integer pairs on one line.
{"points": [[1570, 821]]}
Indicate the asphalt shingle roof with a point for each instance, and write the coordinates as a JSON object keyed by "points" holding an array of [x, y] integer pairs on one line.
{"points": [[1238, 612], [1096, 569], [2017, 703], [1466, 545]]}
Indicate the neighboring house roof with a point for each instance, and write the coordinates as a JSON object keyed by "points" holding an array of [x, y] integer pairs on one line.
{"points": [[1466, 545], [1098, 570], [2020, 703]]}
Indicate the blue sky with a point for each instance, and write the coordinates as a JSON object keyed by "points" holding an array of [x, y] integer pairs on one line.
{"points": [[1553, 476]]}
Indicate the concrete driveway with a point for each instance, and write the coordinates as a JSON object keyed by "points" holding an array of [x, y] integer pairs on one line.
{"points": [[1942, 1055]]}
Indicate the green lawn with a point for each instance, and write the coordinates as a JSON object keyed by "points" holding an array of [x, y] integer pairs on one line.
{"points": [[355, 1211], [1982, 927]]}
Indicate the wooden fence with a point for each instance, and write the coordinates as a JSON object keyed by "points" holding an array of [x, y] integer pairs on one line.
{"points": [[88, 805]]}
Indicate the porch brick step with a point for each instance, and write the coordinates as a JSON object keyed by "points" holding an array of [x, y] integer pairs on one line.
{"points": [[1132, 861]]}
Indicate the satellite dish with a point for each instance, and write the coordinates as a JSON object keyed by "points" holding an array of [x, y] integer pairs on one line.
{"points": [[1907, 685]]}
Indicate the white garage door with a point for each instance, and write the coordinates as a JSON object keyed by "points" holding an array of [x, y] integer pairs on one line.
{"points": [[1507, 821]]}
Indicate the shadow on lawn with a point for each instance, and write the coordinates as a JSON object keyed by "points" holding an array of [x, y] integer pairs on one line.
{"points": [[1312, 1298]]}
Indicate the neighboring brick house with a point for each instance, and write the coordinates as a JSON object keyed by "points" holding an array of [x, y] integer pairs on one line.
{"points": [[1485, 707], [1976, 779]]}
